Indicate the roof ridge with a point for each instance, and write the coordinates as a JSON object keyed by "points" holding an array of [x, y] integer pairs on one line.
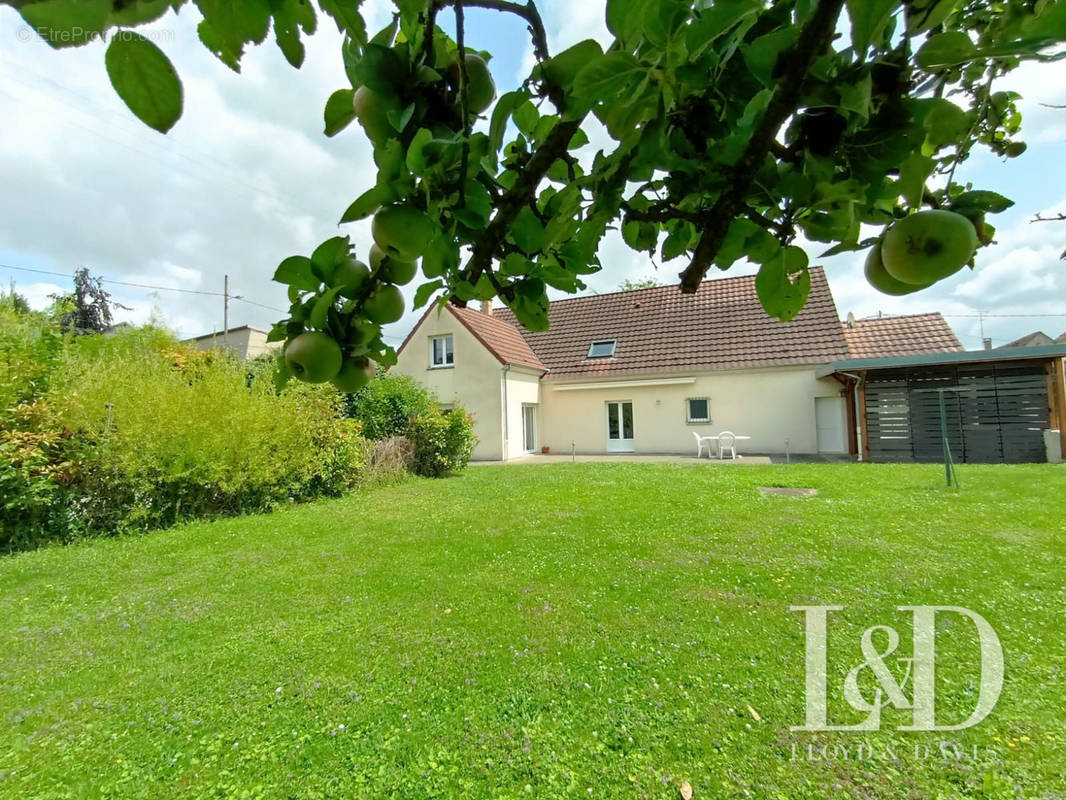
{"points": [[662, 286]]}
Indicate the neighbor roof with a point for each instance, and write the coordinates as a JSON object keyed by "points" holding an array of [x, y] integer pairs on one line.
{"points": [[721, 326], [910, 335], [218, 334], [499, 337], [1034, 339]]}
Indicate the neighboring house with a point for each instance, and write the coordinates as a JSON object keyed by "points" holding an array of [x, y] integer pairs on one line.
{"points": [[244, 340], [641, 371], [1035, 339]]}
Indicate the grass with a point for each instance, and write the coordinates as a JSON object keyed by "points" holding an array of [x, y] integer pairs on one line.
{"points": [[586, 630]]}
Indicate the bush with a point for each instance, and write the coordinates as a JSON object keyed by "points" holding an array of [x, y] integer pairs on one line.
{"points": [[170, 433], [137, 431], [442, 442], [386, 405]]}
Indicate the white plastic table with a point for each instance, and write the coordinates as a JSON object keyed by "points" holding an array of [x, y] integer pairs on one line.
{"points": [[714, 439]]}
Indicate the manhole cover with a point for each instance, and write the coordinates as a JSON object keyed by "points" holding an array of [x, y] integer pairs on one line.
{"points": [[788, 491]]}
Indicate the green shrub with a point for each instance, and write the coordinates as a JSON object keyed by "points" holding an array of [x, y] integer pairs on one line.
{"points": [[386, 405], [34, 501], [29, 350], [442, 442], [165, 433]]}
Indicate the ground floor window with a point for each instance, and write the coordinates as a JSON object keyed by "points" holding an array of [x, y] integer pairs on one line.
{"points": [[698, 409]]}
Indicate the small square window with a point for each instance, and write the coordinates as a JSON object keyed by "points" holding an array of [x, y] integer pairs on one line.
{"points": [[441, 352], [699, 409], [602, 349]]}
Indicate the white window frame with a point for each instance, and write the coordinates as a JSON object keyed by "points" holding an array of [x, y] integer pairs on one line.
{"points": [[697, 420], [612, 342], [448, 350]]}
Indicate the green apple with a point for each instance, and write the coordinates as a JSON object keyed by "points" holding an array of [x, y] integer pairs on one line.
{"points": [[354, 375], [372, 109], [313, 357], [925, 247], [480, 88], [878, 277], [392, 270], [384, 305], [350, 275], [402, 232]]}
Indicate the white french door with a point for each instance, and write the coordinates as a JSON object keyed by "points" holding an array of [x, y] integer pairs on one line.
{"points": [[529, 428], [620, 427]]}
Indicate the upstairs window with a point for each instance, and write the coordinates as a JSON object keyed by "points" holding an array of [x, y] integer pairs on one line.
{"points": [[441, 353], [602, 349], [699, 409]]}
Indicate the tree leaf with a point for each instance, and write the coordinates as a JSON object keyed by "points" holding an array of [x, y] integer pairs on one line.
{"points": [[991, 202], [762, 54], [913, 174], [416, 157], [624, 19], [945, 50], [346, 14], [527, 231], [339, 111], [441, 257], [945, 123], [320, 312], [290, 17], [365, 205], [296, 271], [525, 117], [425, 291], [604, 77], [868, 21], [501, 113], [563, 68], [327, 255], [228, 25], [66, 23], [783, 283], [145, 80], [381, 69]]}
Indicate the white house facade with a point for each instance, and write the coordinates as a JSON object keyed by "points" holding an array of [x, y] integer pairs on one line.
{"points": [[642, 371]]}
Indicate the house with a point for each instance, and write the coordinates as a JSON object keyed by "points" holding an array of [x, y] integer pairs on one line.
{"points": [[640, 371], [244, 340]]}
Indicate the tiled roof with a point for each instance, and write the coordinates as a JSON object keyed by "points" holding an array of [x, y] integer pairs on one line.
{"points": [[1035, 339], [910, 335], [721, 326], [500, 338]]}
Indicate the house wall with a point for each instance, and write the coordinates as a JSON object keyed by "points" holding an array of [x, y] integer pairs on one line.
{"points": [[475, 381], [769, 405], [523, 388], [245, 342]]}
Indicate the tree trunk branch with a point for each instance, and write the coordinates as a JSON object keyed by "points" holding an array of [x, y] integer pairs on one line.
{"points": [[716, 220]]}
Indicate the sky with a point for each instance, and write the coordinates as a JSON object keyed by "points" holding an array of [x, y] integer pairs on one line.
{"points": [[247, 178]]}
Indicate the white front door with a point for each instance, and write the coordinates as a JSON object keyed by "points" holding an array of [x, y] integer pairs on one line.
{"points": [[829, 419], [529, 428], [620, 427]]}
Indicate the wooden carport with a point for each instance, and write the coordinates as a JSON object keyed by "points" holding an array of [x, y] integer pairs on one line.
{"points": [[998, 404]]}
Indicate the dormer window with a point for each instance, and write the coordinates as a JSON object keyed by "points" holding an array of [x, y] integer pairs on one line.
{"points": [[602, 349]]}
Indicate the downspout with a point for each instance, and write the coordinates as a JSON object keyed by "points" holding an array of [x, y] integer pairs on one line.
{"points": [[859, 380], [506, 423]]}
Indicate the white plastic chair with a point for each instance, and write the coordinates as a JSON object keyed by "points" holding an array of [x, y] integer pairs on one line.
{"points": [[727, 440], [701, 442]]}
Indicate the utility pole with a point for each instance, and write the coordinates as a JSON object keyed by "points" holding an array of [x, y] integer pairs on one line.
{"points": [[225, 310]]}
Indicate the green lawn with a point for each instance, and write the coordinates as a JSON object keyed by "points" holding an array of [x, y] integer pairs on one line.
{"points": [[587, 630]]}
